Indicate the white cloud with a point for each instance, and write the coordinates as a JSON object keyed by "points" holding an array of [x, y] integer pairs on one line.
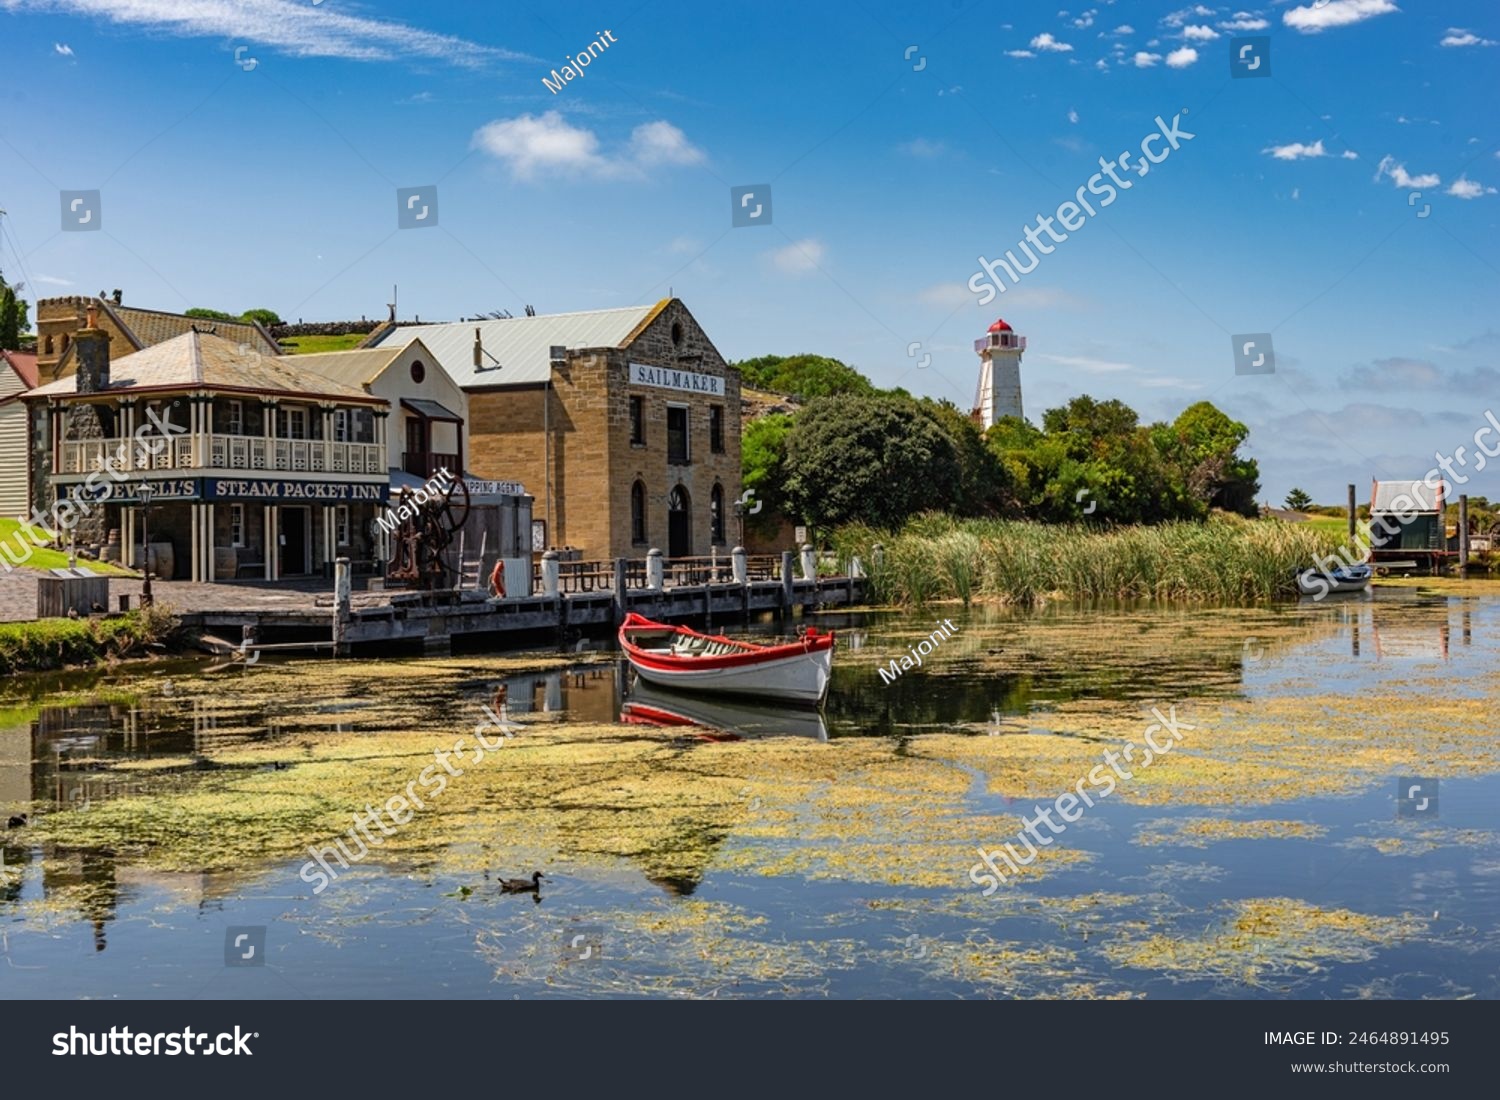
{"points": [[1245, 21], [1465, 188], [51, 280], [1045, 41], [1199, 33], [1178, 18], [62, 49], [1123, 29], [1181, 59], [1019, 53], [659, 142], [1082, 362], [1144, 60], [1314, 18], [1457, 36], [297, 28], [1298, 151], [1400, 177], [1073, 115], [681, 246], [1086, 19], [531, 145], [799, 257], [1102, 65], [921, 147]]}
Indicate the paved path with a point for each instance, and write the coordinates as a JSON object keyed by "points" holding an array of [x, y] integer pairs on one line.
{"points": [[18, 594]]}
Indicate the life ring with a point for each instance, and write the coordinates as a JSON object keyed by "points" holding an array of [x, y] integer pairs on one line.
{"points": [[497, 579]]}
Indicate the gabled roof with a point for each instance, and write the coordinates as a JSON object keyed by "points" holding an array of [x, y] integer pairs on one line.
{"points": [[24, 364], [355, 367], [151, 326], [522, 345], [199, 359], [1406, 496]]}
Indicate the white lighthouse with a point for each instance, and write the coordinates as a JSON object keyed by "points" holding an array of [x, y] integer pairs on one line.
{"points": [[999, 391]]}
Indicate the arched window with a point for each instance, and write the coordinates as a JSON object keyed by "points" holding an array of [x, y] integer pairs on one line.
{"points": [[47, 345], [716, 514], [65, 343], [638, 514]]}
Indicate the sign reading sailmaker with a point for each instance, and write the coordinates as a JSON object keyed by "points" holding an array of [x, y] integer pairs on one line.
{"points": [[669, 379]]}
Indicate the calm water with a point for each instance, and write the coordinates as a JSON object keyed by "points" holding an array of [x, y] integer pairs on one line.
{"points": [[1155, 906]]}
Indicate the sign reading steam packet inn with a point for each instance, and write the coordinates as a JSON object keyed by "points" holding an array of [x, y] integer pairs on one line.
{"points": [[226, 488], [668, 379]]}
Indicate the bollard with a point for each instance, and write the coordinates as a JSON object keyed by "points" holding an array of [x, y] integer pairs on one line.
{"points": [[739, 562], [342, 598], [621, 594], [549, 573], [809, 562], [656, 571]]}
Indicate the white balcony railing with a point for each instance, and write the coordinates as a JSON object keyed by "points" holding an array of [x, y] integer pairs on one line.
{"points": [[222, 452]]}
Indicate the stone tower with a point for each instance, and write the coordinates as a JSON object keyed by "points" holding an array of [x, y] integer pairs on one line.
{"points": [[999, 392]]}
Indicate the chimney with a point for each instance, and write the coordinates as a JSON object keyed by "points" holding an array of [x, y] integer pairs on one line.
{"points": [[478, 351], [91, 347]]}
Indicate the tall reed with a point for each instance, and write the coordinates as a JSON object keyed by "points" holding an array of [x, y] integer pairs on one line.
{"points": [[1225, 560]]}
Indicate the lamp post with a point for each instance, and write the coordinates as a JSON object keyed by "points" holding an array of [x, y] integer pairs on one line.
{"points": [[144, 492]]}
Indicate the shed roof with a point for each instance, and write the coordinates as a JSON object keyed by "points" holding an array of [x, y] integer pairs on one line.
{"points": [[1406, 496]]}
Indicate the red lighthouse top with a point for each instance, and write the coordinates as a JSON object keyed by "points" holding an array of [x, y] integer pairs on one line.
{"points": [[1001, 326]]}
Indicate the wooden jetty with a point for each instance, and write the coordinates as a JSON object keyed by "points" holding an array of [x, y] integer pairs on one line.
{"points": [[569, 598]]}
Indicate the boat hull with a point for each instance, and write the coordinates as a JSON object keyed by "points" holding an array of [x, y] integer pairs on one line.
{"points": [[682, 659], [802, 677]]}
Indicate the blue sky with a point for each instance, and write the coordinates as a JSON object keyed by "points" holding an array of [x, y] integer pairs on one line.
{"points": [[270, 181]]}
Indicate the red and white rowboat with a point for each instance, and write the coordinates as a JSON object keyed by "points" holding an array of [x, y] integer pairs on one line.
{"points": [[677, 657]]}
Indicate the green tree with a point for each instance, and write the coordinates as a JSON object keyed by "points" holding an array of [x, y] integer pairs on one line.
{"points": [[1202, 445], [983, 485], [13, 320], [803, 376], [1297, 500], [762, 464], [872, 459], [10, 330], [266, 317], [1109, 461], [209, 314]]}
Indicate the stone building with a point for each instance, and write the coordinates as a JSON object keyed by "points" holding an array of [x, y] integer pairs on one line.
{"points": [[622, 424], [238, 464], [129, 330]]}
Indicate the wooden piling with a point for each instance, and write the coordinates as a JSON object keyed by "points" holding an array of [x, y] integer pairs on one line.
{"points": [[1353, 522], [1463, 534], [342, 598], [787, 591]]}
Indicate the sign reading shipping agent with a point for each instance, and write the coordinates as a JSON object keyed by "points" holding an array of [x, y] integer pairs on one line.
{"points": [[667, 378]]}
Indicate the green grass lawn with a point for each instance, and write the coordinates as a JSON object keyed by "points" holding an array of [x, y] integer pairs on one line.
{"points": [[13, 541], [306, 345], [1337, 525]]}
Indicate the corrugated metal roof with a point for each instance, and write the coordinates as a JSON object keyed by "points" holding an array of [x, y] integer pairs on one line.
{"points": [[1405, 496], [521, 345]]}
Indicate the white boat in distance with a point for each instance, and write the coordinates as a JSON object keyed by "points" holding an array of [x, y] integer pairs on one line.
{"points": [[682, 658], [1318, 583]]}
